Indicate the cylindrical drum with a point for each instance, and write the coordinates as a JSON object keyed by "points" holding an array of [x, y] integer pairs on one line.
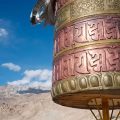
{"points": [[87, 53]]}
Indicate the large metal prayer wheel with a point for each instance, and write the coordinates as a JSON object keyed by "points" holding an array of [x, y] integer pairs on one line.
{"points": [[86, 68]]}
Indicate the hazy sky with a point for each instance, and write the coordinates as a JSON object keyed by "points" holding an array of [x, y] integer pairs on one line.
{"points": [[26, 51]]}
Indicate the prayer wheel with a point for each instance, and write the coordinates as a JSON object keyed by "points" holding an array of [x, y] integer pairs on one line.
{"points": [[86, 66], [87, 53]]}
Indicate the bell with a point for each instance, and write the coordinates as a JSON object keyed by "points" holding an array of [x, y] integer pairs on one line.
{"points": [[86, 67]]}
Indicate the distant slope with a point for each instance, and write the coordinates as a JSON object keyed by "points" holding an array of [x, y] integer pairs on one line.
{"points": [[38, 107]]}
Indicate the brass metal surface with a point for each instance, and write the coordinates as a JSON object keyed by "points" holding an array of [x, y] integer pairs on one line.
{"points": [[84, 8], [94, 31], [105, 106], [98, 81], [86, 66], [88, 45], [77, 91]]}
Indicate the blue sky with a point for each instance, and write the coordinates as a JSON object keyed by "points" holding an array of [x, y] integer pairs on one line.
{"points": [[22, 45]]}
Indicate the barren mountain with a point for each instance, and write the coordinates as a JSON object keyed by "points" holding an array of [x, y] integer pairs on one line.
{"points": [[35, 106]]}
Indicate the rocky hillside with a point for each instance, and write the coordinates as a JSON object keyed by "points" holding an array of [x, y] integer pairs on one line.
{"points": [[15, 105], [35, 106]]}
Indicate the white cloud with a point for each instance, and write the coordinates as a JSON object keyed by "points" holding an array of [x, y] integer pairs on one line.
{"points": [[3, 32], [7, 32], [35, 78], [11, 66]]}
